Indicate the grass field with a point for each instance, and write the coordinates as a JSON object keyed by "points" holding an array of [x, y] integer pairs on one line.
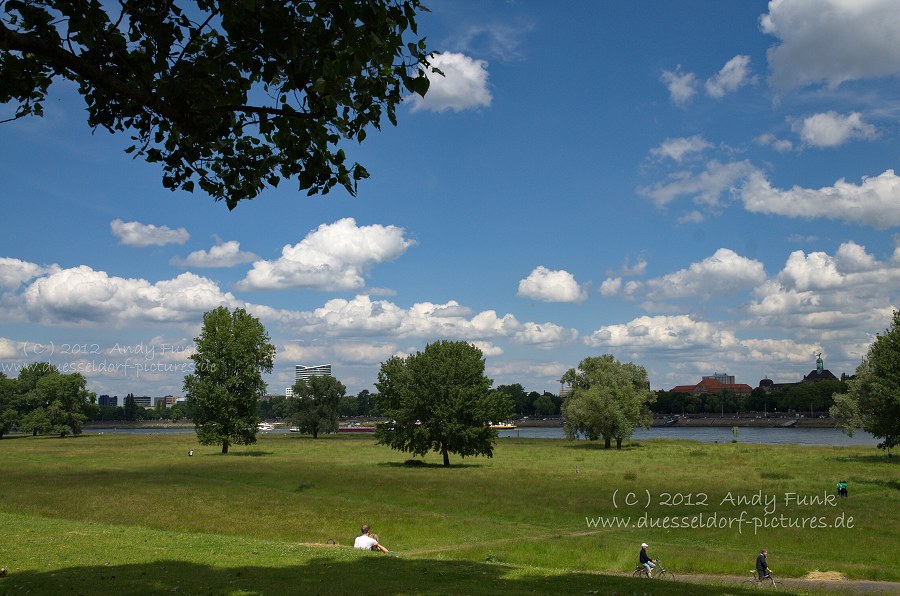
{"points": [[132, 514]]}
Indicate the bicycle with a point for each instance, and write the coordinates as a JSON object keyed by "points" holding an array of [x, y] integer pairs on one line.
{"points": [[755, 581], [659, 572]]}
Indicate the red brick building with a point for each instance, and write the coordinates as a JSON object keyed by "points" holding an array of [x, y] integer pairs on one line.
{"points": [[708, 385]]}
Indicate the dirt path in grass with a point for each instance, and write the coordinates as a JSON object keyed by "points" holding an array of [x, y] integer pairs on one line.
{"points": [[854, 586], [824, 582]]}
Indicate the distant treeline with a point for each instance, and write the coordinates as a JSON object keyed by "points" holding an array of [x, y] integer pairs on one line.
{"points": [[802, 397], [363, 404]]}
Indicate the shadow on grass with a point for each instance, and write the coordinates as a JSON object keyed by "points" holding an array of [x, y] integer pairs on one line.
{"points": [[599, 446], [362, 574], [882, 458], [894, 484], [246, 453], [418, 463]]}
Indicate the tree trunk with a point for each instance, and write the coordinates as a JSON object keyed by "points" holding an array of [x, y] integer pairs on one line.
{"points": [[606, 442], [224, 447], [618, 443], [446, 456]]}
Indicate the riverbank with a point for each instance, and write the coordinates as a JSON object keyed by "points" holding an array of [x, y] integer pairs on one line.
{"points": [[744, 421], [711, 421], [681, 422], [137, 424]]}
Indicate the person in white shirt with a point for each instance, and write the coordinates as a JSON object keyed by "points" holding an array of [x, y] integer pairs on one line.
{"points": [[367, 541]]}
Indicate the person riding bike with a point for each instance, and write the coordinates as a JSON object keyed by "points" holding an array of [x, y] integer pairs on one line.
{"points": [[646, 561]]}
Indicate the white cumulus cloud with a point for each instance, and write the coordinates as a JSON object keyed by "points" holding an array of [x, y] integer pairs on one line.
{"points": [[544, 336], [611, 286], [681, 85], [335, 256], [225, 254], [825, 296], [731, 77], [832, 41], [463, 86], [133, 233], [830, 129], [10, 349], [551, 286], [81, 295], [875, 202], [724, 273], [706, 187], [853, 258], [362, 316], [15, 272], [678, 149], [780, 145], [662, 332]]}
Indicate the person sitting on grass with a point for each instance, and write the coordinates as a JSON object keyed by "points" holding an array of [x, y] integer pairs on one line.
{"points": [[367, 541], [762, 566], [646, 561]]}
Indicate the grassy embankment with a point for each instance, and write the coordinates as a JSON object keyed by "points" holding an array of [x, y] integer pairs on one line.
{"points": [[128, 514]]}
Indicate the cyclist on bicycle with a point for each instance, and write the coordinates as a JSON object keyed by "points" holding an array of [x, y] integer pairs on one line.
{"points": [[646, 561], [762, 567]]}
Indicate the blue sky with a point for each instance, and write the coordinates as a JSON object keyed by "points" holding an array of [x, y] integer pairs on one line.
{"points": [[696, 187]]}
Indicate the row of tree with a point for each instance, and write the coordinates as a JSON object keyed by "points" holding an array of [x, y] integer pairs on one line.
{"points": [[438, 399], [802, 397], [364, 404], [132, 411], [42, 400], [532, 403]]}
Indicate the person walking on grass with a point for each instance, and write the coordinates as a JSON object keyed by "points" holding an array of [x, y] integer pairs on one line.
{"points": [[367, 541]]}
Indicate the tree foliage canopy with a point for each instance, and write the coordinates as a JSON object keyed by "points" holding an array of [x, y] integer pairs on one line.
{"points": [[608, 399], [315, 404], [231, 95], [233, 351], [43, 400], [872, 400], [440, 400]]}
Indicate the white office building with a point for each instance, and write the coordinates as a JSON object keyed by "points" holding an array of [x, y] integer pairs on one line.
{"points": [[307, 372]]}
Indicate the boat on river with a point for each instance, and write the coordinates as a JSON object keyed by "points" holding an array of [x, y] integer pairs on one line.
{"points": [[356, 428]]}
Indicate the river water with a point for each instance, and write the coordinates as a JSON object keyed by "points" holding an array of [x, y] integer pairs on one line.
{"points": [[763, 436]]}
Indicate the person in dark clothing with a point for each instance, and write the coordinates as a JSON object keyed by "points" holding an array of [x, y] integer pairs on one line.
{"points": [[762, 566], [842, 488], [646, 561]]}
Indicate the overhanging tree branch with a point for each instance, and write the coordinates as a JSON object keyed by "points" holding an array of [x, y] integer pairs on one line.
{"points": [[64, 61], [187, 91]]}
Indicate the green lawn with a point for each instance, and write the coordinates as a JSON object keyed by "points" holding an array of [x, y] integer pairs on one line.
{"points": [[132, 514]]}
